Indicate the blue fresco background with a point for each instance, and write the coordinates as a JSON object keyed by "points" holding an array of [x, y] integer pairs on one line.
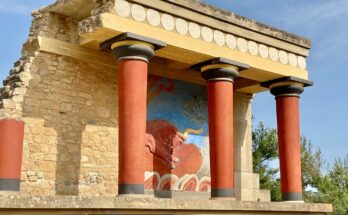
{"points": [[169, 106]]}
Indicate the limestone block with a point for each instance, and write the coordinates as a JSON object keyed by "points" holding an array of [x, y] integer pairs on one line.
{"points": [[273, 54], [248, 195], [253, 48], [244, 180], [8, 104], [231, 41], [153, 17], [256, 178], [242, 133], [138, 12], [263, 195], [122, 8], [207, 34], [181, 26], [168, 22], [301, 62], [242, 45], [194, 30], [263, 50], [219, 38], [283, 57], [292, 60]]}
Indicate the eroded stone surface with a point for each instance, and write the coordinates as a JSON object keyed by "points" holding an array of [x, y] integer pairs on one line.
{"points": [[158, 206]]}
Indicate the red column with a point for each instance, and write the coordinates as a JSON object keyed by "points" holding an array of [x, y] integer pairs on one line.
{"points": [[220, 111], [132, 92], [11, 146], [133, 53], [220, 74], [289, 147], [287, 91]]}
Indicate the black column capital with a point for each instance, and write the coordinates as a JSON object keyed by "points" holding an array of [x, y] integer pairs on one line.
{"points": [[220, 69], [132, 46], [287, 86]]}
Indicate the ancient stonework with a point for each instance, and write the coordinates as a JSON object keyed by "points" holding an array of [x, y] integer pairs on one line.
{"points": [[67, 89], [65, 102]]}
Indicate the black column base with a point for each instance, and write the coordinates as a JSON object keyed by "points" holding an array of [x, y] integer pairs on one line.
{"points": [[137, 189], [292, 196], [9, 184], [222, 192]]}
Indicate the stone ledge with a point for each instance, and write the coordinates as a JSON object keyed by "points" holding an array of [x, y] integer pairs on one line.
{"points": [[121, 205]]}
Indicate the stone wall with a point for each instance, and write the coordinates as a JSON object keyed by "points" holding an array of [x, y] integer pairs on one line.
{"points": [[70, 111], [247, 182], [44, 24]]}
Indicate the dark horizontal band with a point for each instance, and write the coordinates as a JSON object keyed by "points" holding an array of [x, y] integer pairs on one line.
{"points": [[293, 79], [131, 36], [220, 60], [222, 192], [226, 74], [133, 52], [292, 196], [289, 90], [131, 189], [7, 184]]}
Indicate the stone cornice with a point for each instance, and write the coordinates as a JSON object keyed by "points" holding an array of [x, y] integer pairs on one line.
{"points": [[171, 21], [208, 10]]}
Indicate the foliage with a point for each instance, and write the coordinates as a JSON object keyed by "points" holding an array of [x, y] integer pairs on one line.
{"points": [[312, 164], [333, 187], [265, 150], [330, 186]]}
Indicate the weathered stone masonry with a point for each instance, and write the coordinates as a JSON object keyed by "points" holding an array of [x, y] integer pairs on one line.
{"points": [[65, 88], [70, 114]]}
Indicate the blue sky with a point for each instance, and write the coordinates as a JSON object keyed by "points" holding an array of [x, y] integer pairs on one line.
{"points": [[324, 107]]}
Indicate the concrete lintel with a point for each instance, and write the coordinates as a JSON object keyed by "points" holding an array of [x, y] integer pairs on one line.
{"points": [[212, 16], [158, 66], [185, 49]]}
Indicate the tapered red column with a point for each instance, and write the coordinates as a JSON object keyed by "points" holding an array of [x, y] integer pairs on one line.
{"points": [[220, 111], [133, 53], [220, 74], [132, 76], [287, 92], [11, 146], [289, 147]]}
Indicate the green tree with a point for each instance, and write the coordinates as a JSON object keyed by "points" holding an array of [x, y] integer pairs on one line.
{"points": [[333, 187], [312, 164], [330, 186], [265, 150]]}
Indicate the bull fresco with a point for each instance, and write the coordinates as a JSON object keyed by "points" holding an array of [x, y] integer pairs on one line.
{"points": [[177, 146]]}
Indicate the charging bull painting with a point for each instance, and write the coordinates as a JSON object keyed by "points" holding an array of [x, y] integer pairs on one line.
{"points": [[177, 146]]}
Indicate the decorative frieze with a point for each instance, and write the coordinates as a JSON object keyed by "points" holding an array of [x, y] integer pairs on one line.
{"points": [[198, 31]]}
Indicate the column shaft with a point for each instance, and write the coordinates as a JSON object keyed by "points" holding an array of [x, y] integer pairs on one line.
{"points": [[132, 76], [220, 111], [11, 146], [289, 147]]}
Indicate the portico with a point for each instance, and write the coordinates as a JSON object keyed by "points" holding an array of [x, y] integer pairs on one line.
{"points": [[151, 99], [244, 65]]}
